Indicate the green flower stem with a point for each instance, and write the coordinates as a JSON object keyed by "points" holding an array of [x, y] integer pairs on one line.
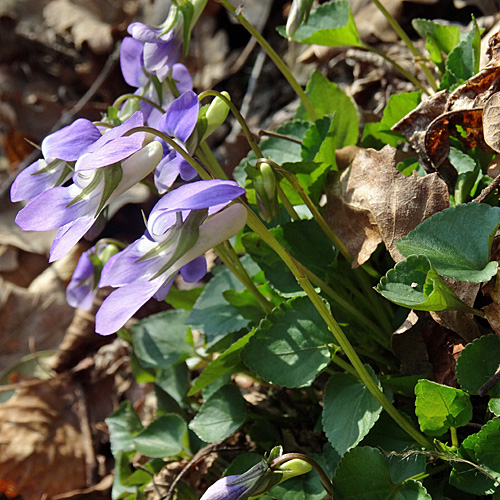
{"points": [[124, 97], [256, 225], [379, 335], [280, 64], [252, 142], [345, 366], [226, 251], [211, 162], [359, 273], [397, 28], [397, 67], [201, 171], [286, 203], [454, 438], [246, 130], [325, 481]]}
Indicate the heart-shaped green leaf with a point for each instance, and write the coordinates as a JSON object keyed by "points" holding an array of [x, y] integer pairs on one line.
{"points": [[457, 241], [413, 283]]}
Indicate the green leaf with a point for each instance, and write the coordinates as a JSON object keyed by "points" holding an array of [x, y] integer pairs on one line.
{"points": [[363, 474], [245, 303], [440, 38], [477, 363], [457, 241], [413, 283], [439, 407], [222, 414], [311, 177], [494, 406], [481, 449], [291, 346], [221, 365], [306, 487], [183, 299], [160, 339], [327, 98], [124, 424], [349, 411], [297, 238], [398, 106], [174, 381], [331, 24], [212, 314], [162, 438]]}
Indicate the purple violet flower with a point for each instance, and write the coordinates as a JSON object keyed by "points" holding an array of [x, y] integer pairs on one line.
{"points": [[178, 122], [84, 283], [178, 234], [160, 50], [59, 149], [107, 168], [253, 482]]}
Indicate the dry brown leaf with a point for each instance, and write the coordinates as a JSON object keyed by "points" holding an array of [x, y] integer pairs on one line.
{"points": [[64, 16], [41, 449], [374, 202], [491, 122], [40, 314], [428, 127]]}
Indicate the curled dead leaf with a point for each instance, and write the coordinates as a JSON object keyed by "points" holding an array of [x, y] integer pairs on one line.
{"points": [[491, 122], [372, 202]]}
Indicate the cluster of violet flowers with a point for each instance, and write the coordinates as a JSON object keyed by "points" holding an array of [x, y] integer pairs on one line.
{"points": [[86, 168]]}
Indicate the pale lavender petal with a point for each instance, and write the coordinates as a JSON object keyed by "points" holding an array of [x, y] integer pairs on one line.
{"points": [[194, 270], [110, 153], [50, 211], [131, 62], [182, 78], [27, 185], [165, 288], [200, 194], [122, 304], [187, 172], [157, 56], [71, 141], [181, 116], [143, 32], [79, 292], [68, 236], [123, 267], [224, 490], [166, 172]]}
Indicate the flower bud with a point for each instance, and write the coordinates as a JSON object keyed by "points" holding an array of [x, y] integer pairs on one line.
{"points": [[216, 114], [299, 12], [266, 186], [292, 468]]}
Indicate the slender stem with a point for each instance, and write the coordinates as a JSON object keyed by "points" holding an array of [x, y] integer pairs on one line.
{"points": [[454, 438], [397, 28], [240, 272], [211, 162], [256, 225], [359, 273], [294, 456], [246, 130], [201, 171], [124, 97], [379, 335], [272, 133], [280, 64], [398, 67], [345, 366], [286, 203]]}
